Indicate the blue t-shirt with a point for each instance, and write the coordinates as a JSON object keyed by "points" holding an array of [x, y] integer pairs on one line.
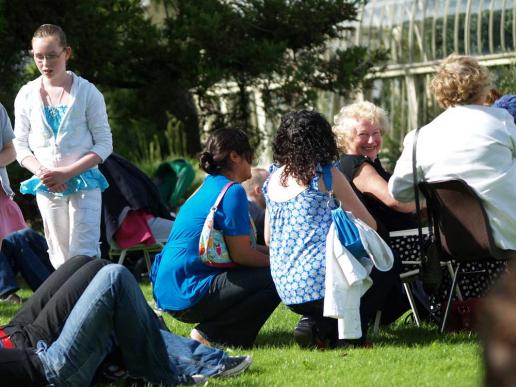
{"points": [[54, 116], [182, 279]]}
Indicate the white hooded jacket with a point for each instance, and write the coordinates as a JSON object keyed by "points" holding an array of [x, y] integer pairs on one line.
{"points": [[347, 278]]}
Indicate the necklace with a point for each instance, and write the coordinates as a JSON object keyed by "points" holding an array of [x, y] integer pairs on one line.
{"points": [[52, 108]]}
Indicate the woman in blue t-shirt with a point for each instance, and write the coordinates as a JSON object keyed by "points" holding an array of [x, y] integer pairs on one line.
{"points": [[230, 305]]}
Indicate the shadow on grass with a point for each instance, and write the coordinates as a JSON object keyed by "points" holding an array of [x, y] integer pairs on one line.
{"points": [[393, 336], [274, 338], [410, 336]]}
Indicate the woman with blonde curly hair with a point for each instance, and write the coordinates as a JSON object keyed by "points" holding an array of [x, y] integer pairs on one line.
{"points": [[468, 141], [359, 128]]}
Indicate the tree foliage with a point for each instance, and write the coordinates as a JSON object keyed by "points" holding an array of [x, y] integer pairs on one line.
{"points": [[278, 47], [203, 65]]}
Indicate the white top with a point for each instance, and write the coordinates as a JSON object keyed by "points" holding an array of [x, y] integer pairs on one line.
{"points": [[84, 127], [347, 278], [346, 281], [476, 144]]}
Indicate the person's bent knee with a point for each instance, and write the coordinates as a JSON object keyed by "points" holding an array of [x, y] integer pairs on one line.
{"points": [[83, 257], [20, 236], [76, 259], [23, 233], [117, 272], [88, 258], [93, 265]]}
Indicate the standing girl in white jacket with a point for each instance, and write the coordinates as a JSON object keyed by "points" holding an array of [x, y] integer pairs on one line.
{"points": [[62, 133]]}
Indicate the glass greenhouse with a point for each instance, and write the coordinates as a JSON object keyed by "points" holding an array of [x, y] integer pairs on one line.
{"points": [[417, 35]]}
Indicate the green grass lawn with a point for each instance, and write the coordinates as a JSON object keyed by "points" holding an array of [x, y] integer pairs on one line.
{"points": [[402, 355]]}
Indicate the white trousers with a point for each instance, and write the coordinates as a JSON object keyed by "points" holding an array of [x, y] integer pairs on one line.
{"points": [[72, 224]]}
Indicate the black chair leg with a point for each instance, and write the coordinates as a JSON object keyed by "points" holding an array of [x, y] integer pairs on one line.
{"points": [[450, 296]]}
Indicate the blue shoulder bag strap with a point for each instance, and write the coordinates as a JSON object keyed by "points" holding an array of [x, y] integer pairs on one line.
{"points": [[327, 178], [328, 182], [347, 231]]}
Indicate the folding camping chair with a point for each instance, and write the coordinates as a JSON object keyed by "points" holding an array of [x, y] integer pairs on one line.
{"points": [[461, 228], [130, 189], [116, 251], [406, 244]]}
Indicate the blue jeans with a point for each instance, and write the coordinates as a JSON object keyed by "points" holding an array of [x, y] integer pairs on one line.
{"points": [[8, 283], [24, 251], [113, 306]]}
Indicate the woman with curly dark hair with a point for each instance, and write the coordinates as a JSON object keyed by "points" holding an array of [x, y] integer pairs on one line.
{"points": [[229, 304], [298, 219]]}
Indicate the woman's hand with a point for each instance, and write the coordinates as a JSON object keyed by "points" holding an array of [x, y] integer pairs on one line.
{"points": [[43, 173], [58, 188], [55, 178]]}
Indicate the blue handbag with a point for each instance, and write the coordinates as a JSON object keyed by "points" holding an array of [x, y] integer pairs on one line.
{"points": [[347, 231]]}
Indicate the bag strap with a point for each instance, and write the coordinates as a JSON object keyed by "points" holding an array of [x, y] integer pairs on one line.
{"points": [[328, 182], [221, 195], [416, 195], [327, 178]]}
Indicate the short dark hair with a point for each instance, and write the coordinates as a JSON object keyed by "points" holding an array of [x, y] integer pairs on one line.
{"points": [[304, 140], [215, 157]]}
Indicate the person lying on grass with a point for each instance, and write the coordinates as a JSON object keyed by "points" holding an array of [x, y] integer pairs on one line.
{"points": [[80, 314]]}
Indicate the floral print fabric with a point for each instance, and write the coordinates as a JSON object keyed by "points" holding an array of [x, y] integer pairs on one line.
{"points": [[298, 243]]}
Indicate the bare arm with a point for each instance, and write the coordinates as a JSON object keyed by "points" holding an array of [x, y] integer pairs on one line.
{"points": [[60, 175], [349, 200], [7, 154], [242, 253], [267, 228], [263, 249], [368, 181], [32, 164]]}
